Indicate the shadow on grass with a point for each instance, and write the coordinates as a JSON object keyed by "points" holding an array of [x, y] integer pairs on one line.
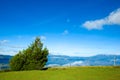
{"points": [[43, 69]]}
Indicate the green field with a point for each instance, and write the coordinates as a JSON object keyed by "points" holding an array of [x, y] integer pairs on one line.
{"points": [[70, 73]]}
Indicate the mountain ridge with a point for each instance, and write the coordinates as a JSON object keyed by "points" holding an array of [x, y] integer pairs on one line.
{"points": [[63, 60]]}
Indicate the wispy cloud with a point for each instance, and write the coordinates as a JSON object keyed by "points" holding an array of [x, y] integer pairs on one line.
{"points": [[9, 49], [112, 19], [76, 63], [65, 32], [2, 42], [43, 38]]}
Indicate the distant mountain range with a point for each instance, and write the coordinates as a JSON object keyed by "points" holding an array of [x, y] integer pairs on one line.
{"points": [[61, 60], [98, 60], [4, 59]]}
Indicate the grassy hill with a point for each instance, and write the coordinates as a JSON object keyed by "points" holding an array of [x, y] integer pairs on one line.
{"points": [[63, 73]]}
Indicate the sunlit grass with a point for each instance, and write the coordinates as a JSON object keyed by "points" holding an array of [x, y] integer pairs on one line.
{"points": [[65, 73]]}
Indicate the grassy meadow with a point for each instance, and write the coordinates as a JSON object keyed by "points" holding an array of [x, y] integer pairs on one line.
{"points": [[65, 73]]}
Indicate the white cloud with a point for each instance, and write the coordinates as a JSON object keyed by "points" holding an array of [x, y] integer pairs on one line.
{"points": [[65, 32], [112, 19], [53, 65], [76, 63]]}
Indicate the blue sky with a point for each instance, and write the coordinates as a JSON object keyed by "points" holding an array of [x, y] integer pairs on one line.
{"points": [[66, 27]]}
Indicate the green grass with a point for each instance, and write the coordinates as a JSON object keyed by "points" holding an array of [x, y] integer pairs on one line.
{"points": [[70, 73]]}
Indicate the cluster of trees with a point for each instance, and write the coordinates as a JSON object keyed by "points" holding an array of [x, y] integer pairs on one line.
{"points": [[32, 58]]}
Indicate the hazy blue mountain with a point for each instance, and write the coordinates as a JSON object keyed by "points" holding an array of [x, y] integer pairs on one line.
{"points": [[98, 60], [61, 60], [4, 59]]}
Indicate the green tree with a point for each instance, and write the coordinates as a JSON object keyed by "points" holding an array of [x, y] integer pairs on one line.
{"points": [[32, 58], [17, 62]]}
